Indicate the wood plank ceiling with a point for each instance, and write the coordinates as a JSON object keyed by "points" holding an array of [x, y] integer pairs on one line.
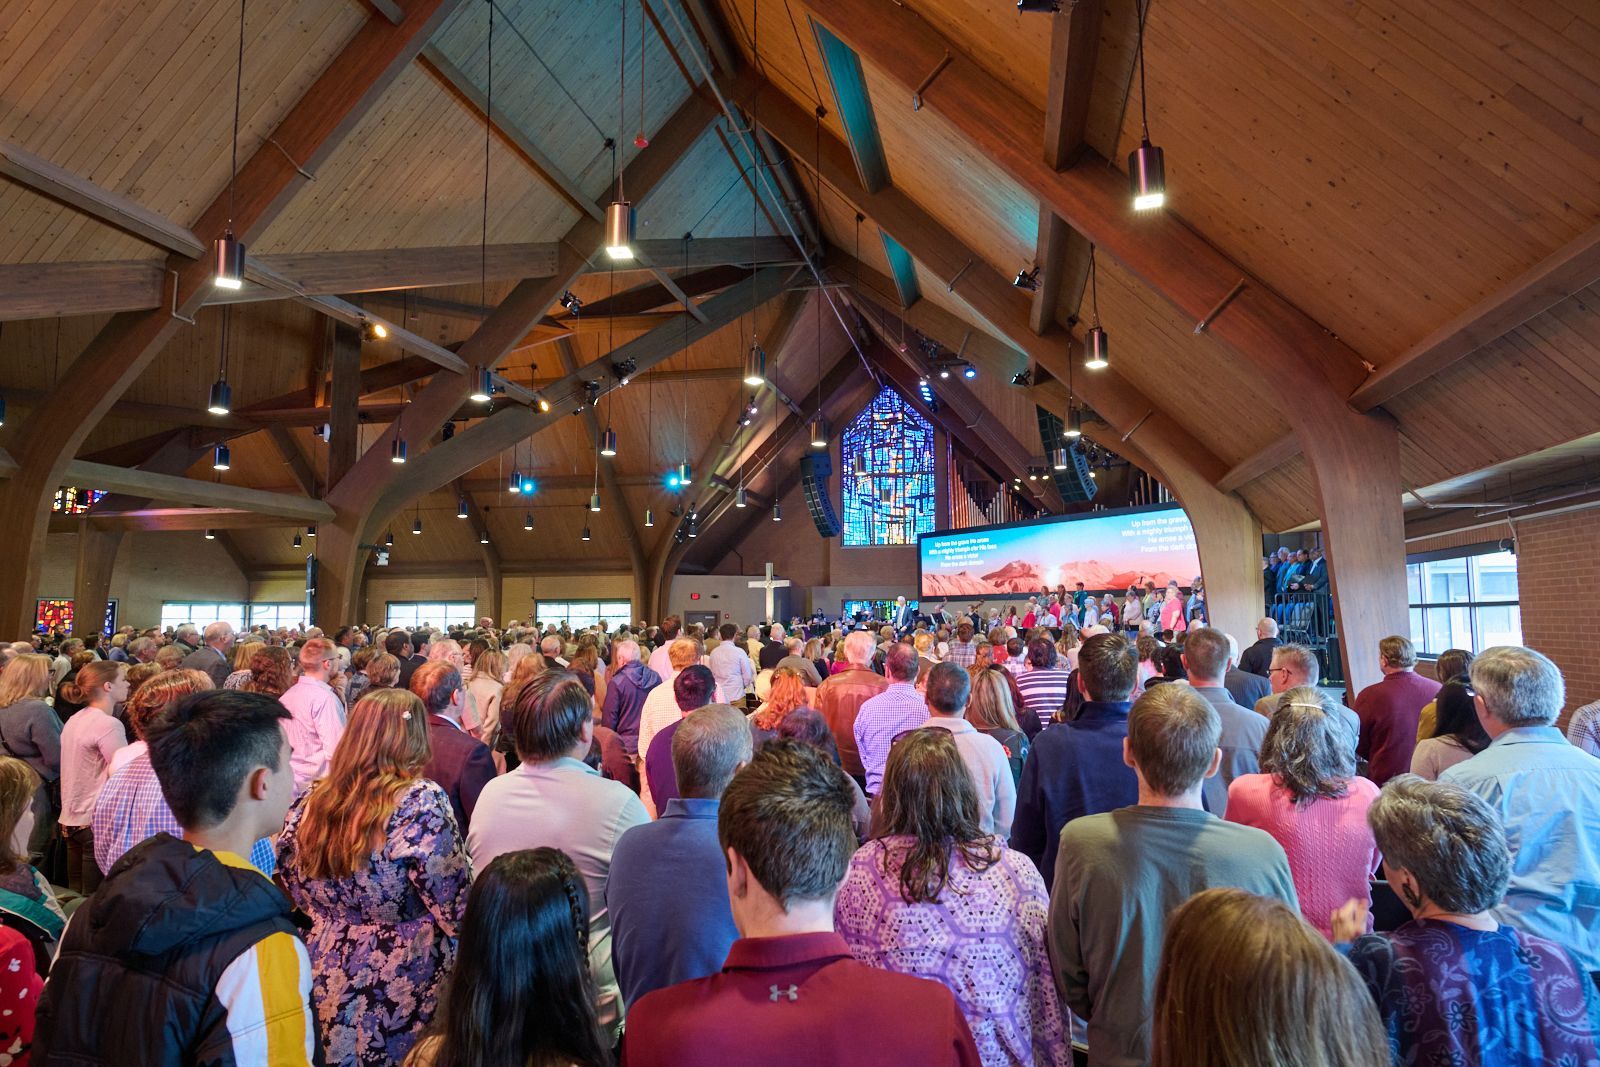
{"points": [[1383, 166]]}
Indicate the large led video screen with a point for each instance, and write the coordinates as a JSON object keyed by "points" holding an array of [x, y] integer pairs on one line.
{"points": [[1105, 550]]}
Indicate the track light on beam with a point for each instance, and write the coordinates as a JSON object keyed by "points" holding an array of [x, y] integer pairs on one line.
{"points": [[1045, 7], [1022, 377], [1027, 280], [373, 331]]}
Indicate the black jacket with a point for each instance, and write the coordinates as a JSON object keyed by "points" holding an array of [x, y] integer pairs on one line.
{"points": [[135, 982]]}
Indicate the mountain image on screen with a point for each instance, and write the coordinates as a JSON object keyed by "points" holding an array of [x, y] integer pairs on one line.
{"points": [[1020, 576]]}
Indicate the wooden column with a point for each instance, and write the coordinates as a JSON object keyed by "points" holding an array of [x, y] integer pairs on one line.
{"points": [[345, 401], [97, 555]]}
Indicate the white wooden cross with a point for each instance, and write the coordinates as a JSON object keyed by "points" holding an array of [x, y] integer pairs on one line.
{"points": [[770, 583]]}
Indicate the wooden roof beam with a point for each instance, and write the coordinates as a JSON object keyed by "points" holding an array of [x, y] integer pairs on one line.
{"points": [[1273, 336], [148, 485], [1569, 269], [992, 296], [313, 127]]}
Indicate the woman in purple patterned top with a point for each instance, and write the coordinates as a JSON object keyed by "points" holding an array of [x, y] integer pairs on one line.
{"points": [[1453, 985], [373, 854], [937, 898]]}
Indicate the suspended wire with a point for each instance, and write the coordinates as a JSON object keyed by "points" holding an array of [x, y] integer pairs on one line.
{"points": [[1094, 285], [488, 110], [1144, 118], [238, 92], [622, 97], [573, 100], [816, 92]]}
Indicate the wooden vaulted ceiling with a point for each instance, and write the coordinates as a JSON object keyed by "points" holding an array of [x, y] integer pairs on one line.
{"points": [[1383, 167]]}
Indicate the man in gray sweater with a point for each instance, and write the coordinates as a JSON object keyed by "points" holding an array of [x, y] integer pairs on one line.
{"points": [[1121, 873]]}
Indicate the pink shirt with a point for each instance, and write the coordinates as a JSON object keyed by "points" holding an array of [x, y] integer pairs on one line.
{"points": [[1331, 851]]}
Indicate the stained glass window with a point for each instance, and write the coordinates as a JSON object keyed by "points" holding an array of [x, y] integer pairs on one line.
{"points": [[71, 500], [888, 474]]}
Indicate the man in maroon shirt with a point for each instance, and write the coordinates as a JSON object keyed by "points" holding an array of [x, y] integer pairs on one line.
{"points": [[1390, 709], [790, 993]]}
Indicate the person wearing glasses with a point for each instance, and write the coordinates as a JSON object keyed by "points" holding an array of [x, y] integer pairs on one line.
{"points": [[1294, 666], [1310, 799]]}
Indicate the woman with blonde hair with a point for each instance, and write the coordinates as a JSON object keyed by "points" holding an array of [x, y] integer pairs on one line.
{"points": [[242, 651], [481, 716], [787, 692], [373, 854], [1244, 983], [27, 902], [30, 731], [991, 711]]}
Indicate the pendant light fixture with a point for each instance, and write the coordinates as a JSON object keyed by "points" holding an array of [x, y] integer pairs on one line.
{"points": [[819, 432], [777, 513], [755, 364], [649, 517], [685, 474], [483, 386], [1096, 343], [594, 501], [416, 525], [619, 213], [388, 539], [397, 447], [297, 541], [608, 442], [220, 458], [515, 484], [461, 508], [1074, 428], [739, 500], [527, 520], [2, 409], [1147, 171], [228, 250], [1059, 459], [211, 535], [311, 531], [221, 399], [585, 532], [483, 537]]}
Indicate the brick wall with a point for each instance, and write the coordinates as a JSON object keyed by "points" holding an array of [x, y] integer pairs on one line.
{"points": [[1557, 567]]}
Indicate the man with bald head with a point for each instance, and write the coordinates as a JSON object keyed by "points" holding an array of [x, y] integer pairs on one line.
{"points": [[212, 657], [1258, 657], [316, 714]]}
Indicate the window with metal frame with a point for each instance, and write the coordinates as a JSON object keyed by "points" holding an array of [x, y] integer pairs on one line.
{"points": [[1463, 598]]}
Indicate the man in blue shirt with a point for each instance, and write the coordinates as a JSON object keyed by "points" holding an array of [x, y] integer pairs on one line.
{"points": [[1075, 768], [668, 890], [1547, 793]]}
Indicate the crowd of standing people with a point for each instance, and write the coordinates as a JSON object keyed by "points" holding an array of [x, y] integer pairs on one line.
{"points": [[963, 840]]}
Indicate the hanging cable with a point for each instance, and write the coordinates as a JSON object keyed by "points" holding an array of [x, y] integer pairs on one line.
{"points": [[238, 91]]}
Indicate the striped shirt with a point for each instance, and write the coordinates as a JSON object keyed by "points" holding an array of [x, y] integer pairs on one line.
{"points": [[130, 809], [1044, 690]]}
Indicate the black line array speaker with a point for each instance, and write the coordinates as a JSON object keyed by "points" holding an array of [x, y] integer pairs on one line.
{"points": [[815, 468], [1074, 483]]}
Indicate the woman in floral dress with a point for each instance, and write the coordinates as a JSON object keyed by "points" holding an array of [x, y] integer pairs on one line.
{"points": [[373, 854]]}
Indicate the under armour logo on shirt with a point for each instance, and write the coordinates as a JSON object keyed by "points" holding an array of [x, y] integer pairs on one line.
{"points": [[793, 993]]}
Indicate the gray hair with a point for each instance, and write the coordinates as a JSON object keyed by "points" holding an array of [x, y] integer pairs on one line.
{"points": [[550, 646], [1300, 658], [1447, 837], [859, 647], [708, 747], [1519, 687], [624, 652], [1308, 749]]}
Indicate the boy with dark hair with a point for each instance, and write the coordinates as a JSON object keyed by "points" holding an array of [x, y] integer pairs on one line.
{"points": [[790, 992], [186, 953]]}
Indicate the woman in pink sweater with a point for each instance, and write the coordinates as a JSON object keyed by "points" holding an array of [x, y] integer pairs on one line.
{"points": [[1311, 801]]}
